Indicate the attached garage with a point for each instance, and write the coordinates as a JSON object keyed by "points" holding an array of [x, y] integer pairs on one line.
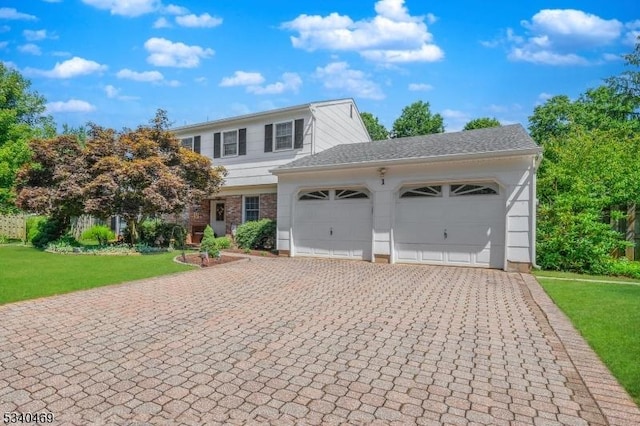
{"points": [[333, 223], [450, 224], [464, 198]]}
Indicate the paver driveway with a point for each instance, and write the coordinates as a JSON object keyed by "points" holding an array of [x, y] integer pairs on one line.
{"points": [[288, 339]]}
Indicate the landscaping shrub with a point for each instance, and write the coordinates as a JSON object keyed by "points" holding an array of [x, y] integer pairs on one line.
{"points": [[65, 244], [102, 233], [208, 243], [223, 243], [48, 231], [33, 222], [625, 268], [575, 241], [4, 239], [259, 234], [157, 233]]}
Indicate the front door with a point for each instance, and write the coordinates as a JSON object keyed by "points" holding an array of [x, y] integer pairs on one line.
{"points": [[219, 223]]}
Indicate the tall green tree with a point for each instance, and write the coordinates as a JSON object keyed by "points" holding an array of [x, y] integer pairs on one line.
{"points": [[134, 174], [590, 169], [21, 119], [376, 130], [417, 119], [482, 123]]}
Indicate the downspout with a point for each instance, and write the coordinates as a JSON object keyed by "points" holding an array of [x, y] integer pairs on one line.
{"points": [[313, 131], [534, 204]]}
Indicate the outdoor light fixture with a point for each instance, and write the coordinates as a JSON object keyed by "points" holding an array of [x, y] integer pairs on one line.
{"points": [[382, 171]]}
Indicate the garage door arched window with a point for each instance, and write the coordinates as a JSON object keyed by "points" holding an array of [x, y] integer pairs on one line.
{"points": [[474, 189], [350, 194], [314, 195], [423, 191]]}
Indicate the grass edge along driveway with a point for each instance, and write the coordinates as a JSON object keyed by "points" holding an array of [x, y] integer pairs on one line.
{"points": [[607, 315], [28, 273]]}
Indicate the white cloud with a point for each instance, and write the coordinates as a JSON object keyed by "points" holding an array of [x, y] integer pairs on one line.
{"points": [[173, 9], [30, 48], [165, 53], [544, 96], [128, 8], [393, 35], [610, 57], [61, 53], [52, 1], [201, 80], [455, 114], [291, 82], [73, 67], [242, 78], [13, 14], [72, 105], [145, 76], [561, 37], [420, 87], [162, 23], [3, 44], [10, 65], [194, 21], [339, 77], [5, 28], [154, 77], [32, 35], [111, 91]]}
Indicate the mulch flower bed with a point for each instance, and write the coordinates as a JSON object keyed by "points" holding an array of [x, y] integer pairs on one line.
{"points": [[195, 259]]}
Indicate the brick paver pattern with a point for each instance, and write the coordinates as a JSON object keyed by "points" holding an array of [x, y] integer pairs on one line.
{"points": [[289, 339]]}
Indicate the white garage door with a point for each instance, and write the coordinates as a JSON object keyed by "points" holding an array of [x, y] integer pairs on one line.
{"points": [[333, 223], [453, 224]]}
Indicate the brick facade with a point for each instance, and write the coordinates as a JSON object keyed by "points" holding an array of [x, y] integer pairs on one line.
{"points": [[201, 217], [269, 206]]}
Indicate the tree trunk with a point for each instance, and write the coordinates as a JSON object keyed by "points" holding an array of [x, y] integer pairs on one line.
{"points": [[133, 230]]}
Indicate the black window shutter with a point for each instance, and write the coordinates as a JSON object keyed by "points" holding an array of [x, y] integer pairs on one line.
{"points": [[242, 142], [196, 144], [216, 145], [298, 133], [268, 138]]}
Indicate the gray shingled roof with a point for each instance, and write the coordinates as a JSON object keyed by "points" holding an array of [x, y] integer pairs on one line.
{"points": [[500, 140]]}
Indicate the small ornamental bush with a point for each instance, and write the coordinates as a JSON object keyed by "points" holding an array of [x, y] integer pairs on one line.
{"points": [[157, 233], [625, 268], [223, 243], [48, 231], [101, 233], [33, 222], [259, 234], [208, 243]]}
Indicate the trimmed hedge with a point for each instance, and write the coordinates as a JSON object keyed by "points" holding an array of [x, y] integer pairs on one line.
{"points": [[259, 234]]}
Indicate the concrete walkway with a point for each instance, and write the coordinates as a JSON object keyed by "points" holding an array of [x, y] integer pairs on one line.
{"points": [[324, 342]]}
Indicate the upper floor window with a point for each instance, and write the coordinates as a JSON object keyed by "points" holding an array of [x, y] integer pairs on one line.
{"points": [[230, 143], [191, 143], [187, 143], [284, 135]]}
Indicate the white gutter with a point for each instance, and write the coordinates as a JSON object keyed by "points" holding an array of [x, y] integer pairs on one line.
{"points": [[413, 160]]}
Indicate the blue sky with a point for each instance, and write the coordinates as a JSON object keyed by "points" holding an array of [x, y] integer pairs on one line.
{"points": [[114, 62]]}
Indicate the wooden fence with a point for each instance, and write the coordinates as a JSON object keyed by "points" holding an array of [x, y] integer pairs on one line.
{"points": [[13, 226]]}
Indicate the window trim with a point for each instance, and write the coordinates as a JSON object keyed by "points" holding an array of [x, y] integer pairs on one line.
{"points": [[311, 197], [469, 193], [244, 207], [413, 188], [355, 194], [222, 144], [291, 136]]}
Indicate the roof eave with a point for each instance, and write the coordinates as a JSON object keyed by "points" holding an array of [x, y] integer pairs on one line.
{"points": [[431, 159]]}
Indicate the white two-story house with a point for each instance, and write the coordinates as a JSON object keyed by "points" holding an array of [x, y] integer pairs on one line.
{"points": [[251, 145]]}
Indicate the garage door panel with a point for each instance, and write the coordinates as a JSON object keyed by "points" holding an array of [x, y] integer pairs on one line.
{"points": [[474, 230], [333, 228]]}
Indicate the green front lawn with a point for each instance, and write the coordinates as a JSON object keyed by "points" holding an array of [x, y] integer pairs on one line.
{"points": [[28, 273], [608, 317]]}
